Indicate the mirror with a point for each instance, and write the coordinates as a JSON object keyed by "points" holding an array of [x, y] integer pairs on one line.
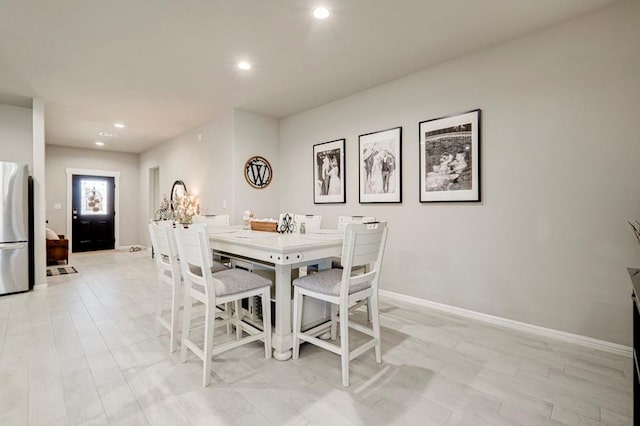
{"points": [[178, 189]]}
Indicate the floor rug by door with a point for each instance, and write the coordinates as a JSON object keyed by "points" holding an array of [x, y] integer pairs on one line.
{"points": [[61, 270]]}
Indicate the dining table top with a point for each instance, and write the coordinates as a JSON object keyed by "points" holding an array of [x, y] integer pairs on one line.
{"points": [[274, 240], [276, 248]]}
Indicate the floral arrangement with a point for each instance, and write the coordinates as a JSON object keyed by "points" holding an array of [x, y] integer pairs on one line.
{"points": [[180, 210], [185, 207], [164, 212]]}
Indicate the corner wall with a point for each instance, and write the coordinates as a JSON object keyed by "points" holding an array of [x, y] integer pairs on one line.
{"points": [[212, 168], [16, 135], [204, 165], [39, 188], [550, 242], [255, 134]]}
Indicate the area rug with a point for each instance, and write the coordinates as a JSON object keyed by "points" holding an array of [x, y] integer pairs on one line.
{"points": [[61, 270]]}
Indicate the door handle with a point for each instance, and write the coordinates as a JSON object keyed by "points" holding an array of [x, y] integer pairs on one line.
{"points": [[12, 246]]}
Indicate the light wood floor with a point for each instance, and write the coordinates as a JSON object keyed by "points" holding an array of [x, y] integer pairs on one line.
{"points": [[83, 351]]}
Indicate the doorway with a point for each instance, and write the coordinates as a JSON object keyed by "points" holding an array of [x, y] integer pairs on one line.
{"points": [[93, 213], [154, 191], [92, 209]]}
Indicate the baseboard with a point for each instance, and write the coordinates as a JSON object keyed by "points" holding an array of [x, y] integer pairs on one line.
{"points": [[577, 339], [40, 286]]}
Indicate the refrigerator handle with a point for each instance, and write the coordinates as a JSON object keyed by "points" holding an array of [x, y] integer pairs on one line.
{"points": [[12, 246]]}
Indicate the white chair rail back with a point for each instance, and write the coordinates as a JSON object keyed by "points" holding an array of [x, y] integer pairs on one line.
{"points": [[344, 220], [166, 256], [311, 222], [213, 220], [193, 249], [364, 245], [165, 250]]}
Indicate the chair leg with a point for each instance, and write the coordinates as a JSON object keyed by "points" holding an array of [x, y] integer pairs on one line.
{"points": [[266, 321], [375, 318], [175, 310], [227, 315], [238, 320], [334, 321], [344, 343], [209, 320], [297, 321], [159, 307], [367, 268], [186, 322]]}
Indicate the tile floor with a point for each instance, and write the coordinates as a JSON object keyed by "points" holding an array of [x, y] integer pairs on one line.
{"points": [[83, 352]]}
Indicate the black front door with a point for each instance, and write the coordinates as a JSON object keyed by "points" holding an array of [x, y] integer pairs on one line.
{"points": [[93, 213]]}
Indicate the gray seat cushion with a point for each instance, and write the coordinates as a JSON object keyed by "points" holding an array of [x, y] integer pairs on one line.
{"points": [[232, 281], [217, 267], [327, 282]]}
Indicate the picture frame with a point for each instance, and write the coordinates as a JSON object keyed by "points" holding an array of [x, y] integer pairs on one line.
{"points": [[380, 166], [450, 158], [329, 172]]}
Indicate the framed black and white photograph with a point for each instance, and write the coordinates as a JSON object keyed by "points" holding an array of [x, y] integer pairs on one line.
{"points": [[329, 172], [450, 158], [380, 161]]}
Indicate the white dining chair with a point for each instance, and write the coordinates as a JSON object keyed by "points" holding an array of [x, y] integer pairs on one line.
{"points": [[231, 285], [213, 220], [311, 222], [363, 244], [345, 220], [166, 256]]}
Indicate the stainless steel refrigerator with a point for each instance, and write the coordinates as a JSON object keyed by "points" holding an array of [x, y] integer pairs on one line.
{"points": [[15, 259]]}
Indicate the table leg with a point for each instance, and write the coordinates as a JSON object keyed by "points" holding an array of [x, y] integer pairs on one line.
{"points": [[281, 337]]}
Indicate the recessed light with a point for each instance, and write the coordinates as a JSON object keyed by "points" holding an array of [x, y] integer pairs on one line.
{"points": [[321, 12], [118, 125], [99, 143], [108, 135], [244, 65]]}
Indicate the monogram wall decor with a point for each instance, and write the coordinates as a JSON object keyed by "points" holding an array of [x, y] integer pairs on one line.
{"points": [[258, 172]]}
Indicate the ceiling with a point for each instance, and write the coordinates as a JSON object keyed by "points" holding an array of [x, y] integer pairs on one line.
{"points": [[165, 66]]}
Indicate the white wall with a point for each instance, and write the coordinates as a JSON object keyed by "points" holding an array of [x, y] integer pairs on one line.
{"points": [[255, 135], [16, 135], [213, 167], [205, 167], [549, 244], [58, 159]]}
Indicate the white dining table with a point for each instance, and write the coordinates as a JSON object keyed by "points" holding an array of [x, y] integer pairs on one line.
{"points": [[284, 252]]}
